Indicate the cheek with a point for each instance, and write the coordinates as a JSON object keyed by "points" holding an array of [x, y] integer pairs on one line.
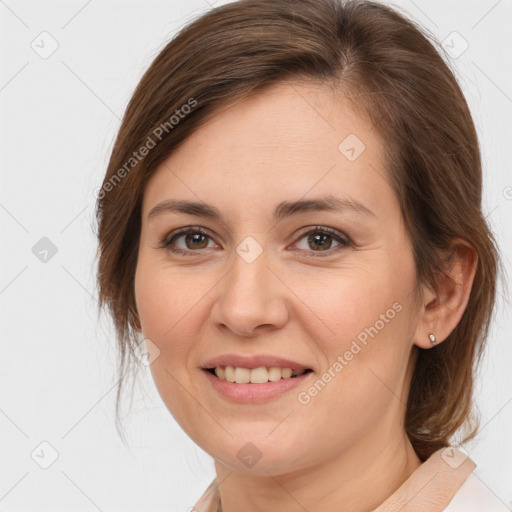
{"points": [[361, 307], [164, 304], [365, 333], [166, 308], [364, 361]]}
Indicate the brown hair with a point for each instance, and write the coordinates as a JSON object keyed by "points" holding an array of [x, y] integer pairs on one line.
{"points": [[393, 72]]}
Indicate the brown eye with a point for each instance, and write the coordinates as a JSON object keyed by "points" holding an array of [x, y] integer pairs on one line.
{"points": [[321, 239], [188, 240], [195, 241]]}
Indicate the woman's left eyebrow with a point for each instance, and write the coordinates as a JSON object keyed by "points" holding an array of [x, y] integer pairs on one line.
{"points": [[283, 210]]}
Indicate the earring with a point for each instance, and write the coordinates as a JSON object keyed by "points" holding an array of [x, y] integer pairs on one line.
{"points": [[432, 339]]}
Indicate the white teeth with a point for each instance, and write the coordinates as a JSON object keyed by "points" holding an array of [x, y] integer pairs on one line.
{"points": [[286, 373], [242, 375], [274, 373], [256, 375], [259, 375], [229, 374]]}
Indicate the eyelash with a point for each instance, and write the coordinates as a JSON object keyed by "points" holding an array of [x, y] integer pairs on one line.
{"points": [[344, 241]]}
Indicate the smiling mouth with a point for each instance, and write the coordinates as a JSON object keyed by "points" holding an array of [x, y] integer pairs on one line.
{"points": [[259, 375]]}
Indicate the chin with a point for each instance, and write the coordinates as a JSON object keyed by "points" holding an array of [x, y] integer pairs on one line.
{"points": [[259, 454]]}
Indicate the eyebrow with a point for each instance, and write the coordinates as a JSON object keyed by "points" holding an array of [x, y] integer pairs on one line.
{"points": [[282, 210]]}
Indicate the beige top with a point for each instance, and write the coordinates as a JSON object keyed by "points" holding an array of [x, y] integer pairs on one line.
{"points": [[429, 489]]}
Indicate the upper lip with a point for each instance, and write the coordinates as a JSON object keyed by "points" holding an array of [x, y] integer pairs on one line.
{"points": [[254, 361]]}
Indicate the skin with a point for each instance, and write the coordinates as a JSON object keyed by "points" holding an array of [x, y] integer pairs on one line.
{"points": [[346, 449]]}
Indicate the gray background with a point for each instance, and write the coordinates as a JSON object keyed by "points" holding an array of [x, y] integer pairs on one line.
{"points": [[59, 115]]}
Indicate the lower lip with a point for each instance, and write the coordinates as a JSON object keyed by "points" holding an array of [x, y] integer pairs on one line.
{"points": [[254, 393]]}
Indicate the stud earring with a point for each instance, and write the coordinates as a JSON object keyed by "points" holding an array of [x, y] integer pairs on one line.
{"points": [[432, 339]]}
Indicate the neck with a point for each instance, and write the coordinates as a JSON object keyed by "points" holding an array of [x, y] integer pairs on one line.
{"points": [[357, 479]]}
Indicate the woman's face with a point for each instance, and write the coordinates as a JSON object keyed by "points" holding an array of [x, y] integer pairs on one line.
{"points": [[328, 289]]}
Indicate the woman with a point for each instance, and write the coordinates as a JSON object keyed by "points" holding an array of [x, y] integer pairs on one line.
{"points": [[290, 221]]}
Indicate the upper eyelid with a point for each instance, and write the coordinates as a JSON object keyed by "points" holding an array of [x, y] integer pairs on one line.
{"points": [[334, 233], [297, 236], [165, 241]]}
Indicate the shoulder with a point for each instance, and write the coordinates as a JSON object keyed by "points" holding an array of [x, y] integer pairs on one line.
{"points": [[474, 496]]}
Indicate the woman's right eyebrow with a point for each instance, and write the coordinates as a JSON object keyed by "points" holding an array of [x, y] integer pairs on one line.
{"points": [[283, 210], [199, 209]]}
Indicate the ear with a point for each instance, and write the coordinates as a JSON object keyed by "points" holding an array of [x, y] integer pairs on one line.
{"points": [[442, 308]]}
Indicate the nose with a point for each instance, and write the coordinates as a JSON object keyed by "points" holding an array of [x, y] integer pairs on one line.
{"points": [[251, 299]]}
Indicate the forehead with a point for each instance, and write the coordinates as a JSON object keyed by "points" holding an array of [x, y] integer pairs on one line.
{"points": [[290, 141]]}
